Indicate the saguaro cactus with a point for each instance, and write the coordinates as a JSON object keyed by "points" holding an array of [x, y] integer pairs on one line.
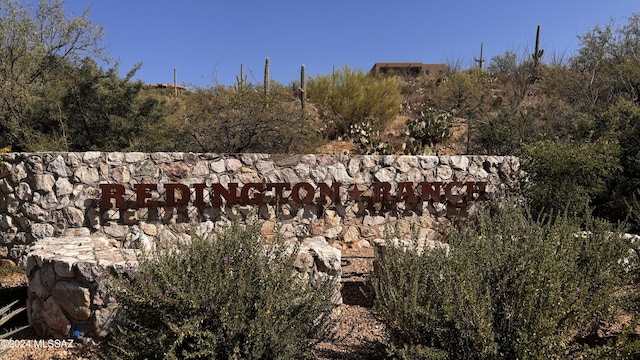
{"points": [[303, 88], [266, 76], [536, 56], [241, 80], [537, 53], [175, 81], [480, 61]]}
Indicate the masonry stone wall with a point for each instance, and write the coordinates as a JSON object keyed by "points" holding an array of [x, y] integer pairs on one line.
{"points": [[58, 194], [62, 214], [67, 288]]}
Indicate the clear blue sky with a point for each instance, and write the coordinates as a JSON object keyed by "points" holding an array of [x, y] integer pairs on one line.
{"points": [[207, 40]]}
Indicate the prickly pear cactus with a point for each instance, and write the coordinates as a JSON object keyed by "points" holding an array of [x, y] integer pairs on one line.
{"points": [[367, 141], [432, 126]]}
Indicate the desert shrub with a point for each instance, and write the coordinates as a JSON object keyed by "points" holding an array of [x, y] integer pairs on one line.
{"points": [[6, 268], [223, 298], [505, 132], [635, 207], [621, 122], [224, 119], [508, 287], [432, 126], [569, 177], [463, 93], [350, 96]]}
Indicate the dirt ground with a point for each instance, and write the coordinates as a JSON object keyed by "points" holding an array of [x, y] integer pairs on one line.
{"points": [[358, 334]]}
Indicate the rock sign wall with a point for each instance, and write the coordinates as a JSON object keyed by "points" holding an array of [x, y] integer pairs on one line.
{"points": [[151, 200]]}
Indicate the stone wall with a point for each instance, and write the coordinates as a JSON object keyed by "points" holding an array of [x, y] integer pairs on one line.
{"points": [[58, 194], [66, 294]]}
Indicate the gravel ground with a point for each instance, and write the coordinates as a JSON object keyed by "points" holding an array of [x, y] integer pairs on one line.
{"points": [[358, 334]]}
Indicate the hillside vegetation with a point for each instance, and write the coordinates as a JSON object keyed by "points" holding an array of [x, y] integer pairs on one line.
{"points": [[575, 120], [548, 274]]}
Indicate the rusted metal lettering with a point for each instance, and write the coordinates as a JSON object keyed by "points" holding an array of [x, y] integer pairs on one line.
{"points": [[143, 192], [181, 195], [112, 192]]}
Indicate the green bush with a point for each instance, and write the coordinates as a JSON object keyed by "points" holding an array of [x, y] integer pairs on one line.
{"points": [[569, 177], [350, 96], [505, 132], [508, 287], [621, 121], [463, 93], [635, 207], [223, 298]]}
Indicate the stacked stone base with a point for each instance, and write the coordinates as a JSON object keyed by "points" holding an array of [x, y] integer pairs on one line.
{"points": [[67, 294], [68, 297]]}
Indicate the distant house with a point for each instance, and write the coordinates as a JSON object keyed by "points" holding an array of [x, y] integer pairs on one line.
{"points": [[409, 69], [166, 86]]}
